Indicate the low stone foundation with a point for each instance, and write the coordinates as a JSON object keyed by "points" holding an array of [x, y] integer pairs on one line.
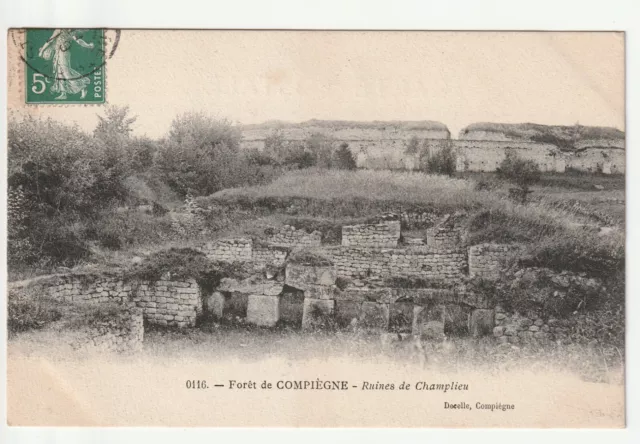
{"points": [[168, 302], [382, 235], [289, 236], [123, 331], [229, 250], [519, 329], [487, 260], [422, 262], [165, 302], [89, 288]]}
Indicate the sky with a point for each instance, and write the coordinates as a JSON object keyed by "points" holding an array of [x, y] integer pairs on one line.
{"points": [[456, 78]]}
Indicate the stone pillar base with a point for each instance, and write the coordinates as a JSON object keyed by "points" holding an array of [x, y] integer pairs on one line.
{"points": [[263, 310]]}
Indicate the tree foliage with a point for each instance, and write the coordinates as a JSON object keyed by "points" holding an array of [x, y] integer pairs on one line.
{"points": [[440, 161], [200, 155], [522, 173], [343, 158]]}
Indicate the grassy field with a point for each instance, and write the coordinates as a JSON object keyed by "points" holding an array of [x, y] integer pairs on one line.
{"points": [[551, 219], [565, 209]]}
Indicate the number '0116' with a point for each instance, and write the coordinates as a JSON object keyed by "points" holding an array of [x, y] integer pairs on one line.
{"points": [[196, 384]]}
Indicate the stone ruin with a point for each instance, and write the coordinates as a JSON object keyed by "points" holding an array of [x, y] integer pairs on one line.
{"points": [[356, 289], [375, 281]]}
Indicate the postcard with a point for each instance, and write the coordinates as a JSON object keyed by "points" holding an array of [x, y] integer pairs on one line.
{"points": [[270, 228]]}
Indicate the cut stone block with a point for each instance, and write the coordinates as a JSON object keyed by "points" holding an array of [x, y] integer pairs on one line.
{"points": [[374, 316], [263, 310], [481, 322], [305, 276], [317, 312], [428, 321]]}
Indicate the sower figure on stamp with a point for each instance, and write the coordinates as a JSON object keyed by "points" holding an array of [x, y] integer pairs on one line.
{"points": [[66, 80]]}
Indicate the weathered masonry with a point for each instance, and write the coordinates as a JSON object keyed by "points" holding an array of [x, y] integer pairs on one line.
{"points": [[375, 281], [383, 145], [174, 302], [356, 288]]}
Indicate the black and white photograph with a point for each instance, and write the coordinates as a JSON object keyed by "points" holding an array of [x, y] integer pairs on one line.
{"points": [[315, 228]]}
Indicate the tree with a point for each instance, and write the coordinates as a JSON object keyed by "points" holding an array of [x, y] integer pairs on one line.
{"points": [[343, 158], [442, 161], [200, 155], [59, 178], [321, 147], [275, 145], [115, 121], [520, 172]]}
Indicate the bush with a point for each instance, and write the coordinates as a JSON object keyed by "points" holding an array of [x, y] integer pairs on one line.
{"points": [[183, 263], [320, 147], [59, 177], [201, 155], [343, 158], [116, 231], [443, 161], [520, 172], [29, 309]]}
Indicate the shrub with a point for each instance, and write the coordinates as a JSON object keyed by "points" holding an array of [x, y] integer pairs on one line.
{"points": [[321, 148], [116, 231], [343, 158], [442, 161], [186, 263], [201, 155], [28, 309], [520, 172], [64, 177]]}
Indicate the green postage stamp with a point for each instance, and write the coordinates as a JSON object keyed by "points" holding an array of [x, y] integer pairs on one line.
{"points": [[65, 66]]}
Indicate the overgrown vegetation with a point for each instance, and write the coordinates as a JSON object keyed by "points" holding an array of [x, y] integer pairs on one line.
{"points": [[344, 196], [520, 172], [30, 308], [440, 161], [565, 137], [183, 263]]}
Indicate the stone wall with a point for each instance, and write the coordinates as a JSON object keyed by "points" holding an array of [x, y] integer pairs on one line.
{"points": [[289, 236], [88, 288], [260, 254], [443, 237], [164, 302], [424, 262], [229, 250], [519, 329], [484, 155], [267, 255], [123, 332], [382, 235], [169, 302], [346, 131], [487, 260], [384, 147], [594, 160]]}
